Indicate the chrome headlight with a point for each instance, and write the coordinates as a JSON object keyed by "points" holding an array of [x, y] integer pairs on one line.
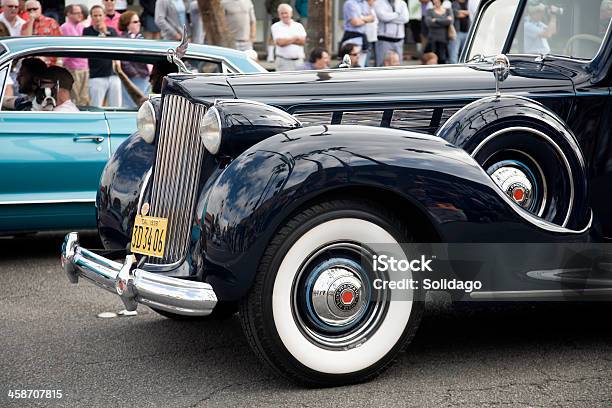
{"points": [[145, 121], [210, 130]]}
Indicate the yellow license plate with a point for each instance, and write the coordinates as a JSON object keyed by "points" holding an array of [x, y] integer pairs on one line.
{"points": [[149, 235]]}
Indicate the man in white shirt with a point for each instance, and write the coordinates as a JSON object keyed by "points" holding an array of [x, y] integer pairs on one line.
{"points": [[392, 16], [10, 18], [289, 37]]}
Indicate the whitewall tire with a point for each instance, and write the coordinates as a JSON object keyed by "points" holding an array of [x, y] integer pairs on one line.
{"points": [[313, 313]]}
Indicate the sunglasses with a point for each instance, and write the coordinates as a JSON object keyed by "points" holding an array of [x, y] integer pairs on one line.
{"points": [[33, 8]]}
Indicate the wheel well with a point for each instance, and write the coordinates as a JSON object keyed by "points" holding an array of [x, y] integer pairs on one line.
{"points": [[403, 208]]}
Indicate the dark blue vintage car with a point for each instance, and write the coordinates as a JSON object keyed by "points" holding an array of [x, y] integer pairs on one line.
{"points": [[50, 162], [265, 193]]}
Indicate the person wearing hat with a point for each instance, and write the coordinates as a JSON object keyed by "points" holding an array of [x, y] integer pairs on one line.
{"points": [[64, 79]]}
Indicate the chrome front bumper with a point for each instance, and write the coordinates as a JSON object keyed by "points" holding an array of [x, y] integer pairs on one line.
{"points": [[134, 285]]}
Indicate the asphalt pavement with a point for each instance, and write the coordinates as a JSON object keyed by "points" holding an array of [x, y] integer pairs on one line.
{"points": [[489, 355]]}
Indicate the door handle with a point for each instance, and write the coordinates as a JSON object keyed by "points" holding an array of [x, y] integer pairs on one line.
{"points": [[97, 139]]}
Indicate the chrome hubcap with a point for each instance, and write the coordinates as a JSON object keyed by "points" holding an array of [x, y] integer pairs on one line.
{"points": [[338, 296], [334, 303], [515, 183]]}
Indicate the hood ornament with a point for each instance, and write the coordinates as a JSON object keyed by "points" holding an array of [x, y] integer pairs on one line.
{"points": [[501, 69], [174, 55]]}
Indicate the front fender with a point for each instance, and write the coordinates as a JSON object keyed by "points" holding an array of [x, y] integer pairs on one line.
{"points": [[119, 191], [264, 186]]}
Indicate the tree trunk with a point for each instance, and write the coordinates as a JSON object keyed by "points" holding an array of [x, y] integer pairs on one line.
{"points": [[319, 24], [213, 18]]}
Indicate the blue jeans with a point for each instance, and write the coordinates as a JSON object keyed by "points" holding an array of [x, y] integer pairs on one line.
{"points": [[455, 47]]}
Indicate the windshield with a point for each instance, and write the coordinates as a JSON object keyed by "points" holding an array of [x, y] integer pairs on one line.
{"points": [[493, 27], [566, 28], [569, 28]]}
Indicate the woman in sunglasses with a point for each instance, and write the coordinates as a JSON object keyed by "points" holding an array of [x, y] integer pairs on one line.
{"points": [[137, 72]]}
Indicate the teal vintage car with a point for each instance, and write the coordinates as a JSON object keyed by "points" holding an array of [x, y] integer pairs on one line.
{"points": [[50, 162]]}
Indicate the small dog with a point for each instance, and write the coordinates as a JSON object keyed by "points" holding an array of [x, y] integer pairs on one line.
{"points": [[46, 96]]}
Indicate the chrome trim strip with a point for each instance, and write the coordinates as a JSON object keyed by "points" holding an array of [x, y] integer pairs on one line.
{"points": [[145, 183], [531, 294], [58, 201], [133, 286], [108, 138], [549, 140], [552, 275]]}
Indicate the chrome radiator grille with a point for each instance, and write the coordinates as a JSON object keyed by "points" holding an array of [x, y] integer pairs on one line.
{"points": [[176, 173]]}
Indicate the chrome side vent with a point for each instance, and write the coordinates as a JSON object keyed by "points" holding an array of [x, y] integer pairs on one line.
{"points": [[176, 173]]}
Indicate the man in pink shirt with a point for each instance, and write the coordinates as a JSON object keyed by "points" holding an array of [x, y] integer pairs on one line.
{"points": [[78, 67], [112, 16]]}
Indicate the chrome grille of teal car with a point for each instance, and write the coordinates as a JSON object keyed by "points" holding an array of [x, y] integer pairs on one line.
{"points": [[176, 173]]}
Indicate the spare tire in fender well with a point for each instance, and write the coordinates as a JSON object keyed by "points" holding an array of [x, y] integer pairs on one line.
{"points": [[511, 125]]}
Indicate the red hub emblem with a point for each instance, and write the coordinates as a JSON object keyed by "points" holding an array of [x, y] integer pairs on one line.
{"points": [[518, 194], [346, 296]]}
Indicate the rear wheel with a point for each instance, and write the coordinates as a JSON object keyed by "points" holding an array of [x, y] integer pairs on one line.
{"points": [[314, 313]]}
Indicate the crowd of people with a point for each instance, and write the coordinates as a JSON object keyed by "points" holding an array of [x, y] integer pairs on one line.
{"points": [[376, 27], [374, 35], [374, 32]]}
